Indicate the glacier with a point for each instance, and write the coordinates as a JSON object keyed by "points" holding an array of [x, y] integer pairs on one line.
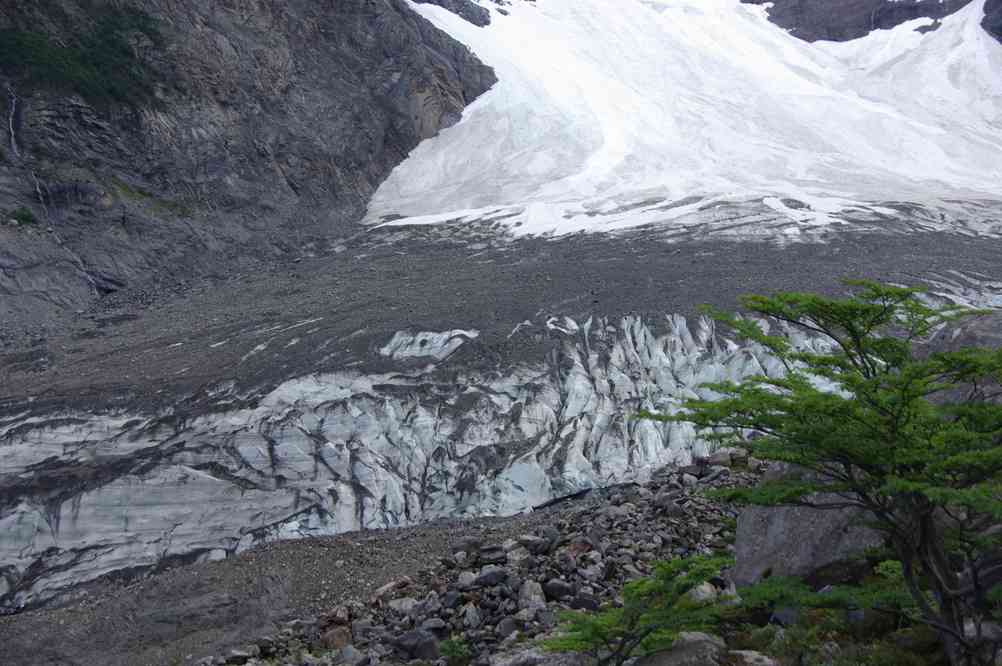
{"points": [[323, 454], [662, 107], [326, 410]]}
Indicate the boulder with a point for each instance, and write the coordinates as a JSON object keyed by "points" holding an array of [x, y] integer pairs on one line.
{"points": [[558, 589], [491, 575], [535, 657], [419, 644], [530, 595], [749, 658], [691, 648], [799, 541], [351, 656]]}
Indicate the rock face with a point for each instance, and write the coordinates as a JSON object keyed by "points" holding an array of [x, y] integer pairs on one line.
{"points": [[86, 494], [692, 648], [469, 10], [812, 20], [271, 124], [993, 18], [796, 541]]}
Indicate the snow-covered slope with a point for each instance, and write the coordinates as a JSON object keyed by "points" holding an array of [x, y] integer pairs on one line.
{"points": [[606, 106]]}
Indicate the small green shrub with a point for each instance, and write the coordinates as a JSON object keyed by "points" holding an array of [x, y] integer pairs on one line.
{"points": [[99, 63], [655, 611], [456, 651], [23, 216]]}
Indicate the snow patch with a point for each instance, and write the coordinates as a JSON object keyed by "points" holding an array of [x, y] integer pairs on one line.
{"points": [[609, 113]]}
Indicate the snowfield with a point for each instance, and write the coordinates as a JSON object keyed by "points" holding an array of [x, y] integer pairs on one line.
{"points": [[618, 113]]}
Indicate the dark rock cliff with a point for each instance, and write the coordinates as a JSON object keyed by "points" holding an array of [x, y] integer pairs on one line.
{"points": [[257, 128], [812, 20], [469, 10], [993, 18]]}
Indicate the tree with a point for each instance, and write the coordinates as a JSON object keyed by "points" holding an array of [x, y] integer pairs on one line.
{"points": [[654, 612], [877, 422]]}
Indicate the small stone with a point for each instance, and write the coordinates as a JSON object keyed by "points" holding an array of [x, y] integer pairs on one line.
{"points": [[558, 589], [362, 628], [584, 601], [351, 656], [341, 615], [506, 627], [750, 658], [703, 593], [403, 606], [534, 544], [531, 595], [391, 587], [466, 580], [471, 616], [526, 615], [336, 638], [243, 655], [493, 555], [722, 457], [434, 625], [519, 557], [490, 576], [419, 644]]}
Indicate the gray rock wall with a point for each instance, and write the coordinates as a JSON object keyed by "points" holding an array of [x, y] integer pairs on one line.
{"points": [[272, 124], [993, 18], [812, 20]]}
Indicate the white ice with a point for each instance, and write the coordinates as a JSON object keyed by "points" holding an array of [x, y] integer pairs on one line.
{"points": [[604, 104]]}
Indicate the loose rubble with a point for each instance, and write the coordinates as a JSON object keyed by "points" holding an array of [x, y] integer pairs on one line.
{"points": [[493, 601]]}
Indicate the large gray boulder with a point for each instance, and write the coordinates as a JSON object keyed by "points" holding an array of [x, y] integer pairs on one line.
{"points": [[798, 541], [274, 123], [692, 648]]}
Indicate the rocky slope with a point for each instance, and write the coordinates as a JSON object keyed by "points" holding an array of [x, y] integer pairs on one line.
{"points": [[850, 19], [255, 129], [491, 585]]}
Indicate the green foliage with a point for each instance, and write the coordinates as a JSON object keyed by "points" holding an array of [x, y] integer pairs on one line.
{"points": [[654, 611], [99, 63], [456, 651], [23, 215], [913, 439], [886, 654], [148, 199]]}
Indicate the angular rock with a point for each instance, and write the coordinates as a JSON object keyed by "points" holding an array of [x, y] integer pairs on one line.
{"points": [[336, 638], [690, 649], [531, 595], [351, 656], [419, 644], [797, 541], [490, 576], [750, 658]]}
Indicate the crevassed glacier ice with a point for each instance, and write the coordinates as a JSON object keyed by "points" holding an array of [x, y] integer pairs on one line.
{"points": [[90, 494]]}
